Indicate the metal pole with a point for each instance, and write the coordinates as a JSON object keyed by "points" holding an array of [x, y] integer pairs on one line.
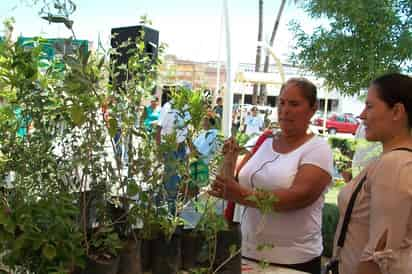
{"points": [[242, 102], [215, 94], [228, 96], [325, 112]]}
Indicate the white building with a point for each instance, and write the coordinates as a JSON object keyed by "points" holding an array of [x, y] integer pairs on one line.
{"points": [[246, 77]]}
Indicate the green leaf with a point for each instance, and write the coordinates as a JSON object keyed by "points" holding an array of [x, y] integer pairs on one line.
{"points": [[9, 226], [78, 116], [112, 127], [3, 216], [49, 251], [19, 242], [350, 51], [132, 189], [141, 45]]}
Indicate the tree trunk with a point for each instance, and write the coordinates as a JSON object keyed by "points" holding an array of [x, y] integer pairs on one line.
{"points": [[258, 52], [263, 92]]}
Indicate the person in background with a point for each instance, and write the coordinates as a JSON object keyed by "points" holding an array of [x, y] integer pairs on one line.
{"points": [[295, 167], [253, 123], [218, 109], [23, 121], [205, 145], [151, 114], [379, 235], [172, 126], [235, 121]]}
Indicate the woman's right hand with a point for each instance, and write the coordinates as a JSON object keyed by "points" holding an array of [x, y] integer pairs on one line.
{"points": [[229, 146], [230, 154], [228, 189]]}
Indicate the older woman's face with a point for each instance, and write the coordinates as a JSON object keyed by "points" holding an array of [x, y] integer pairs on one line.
{"points": [[294, 110], [376, 116]]}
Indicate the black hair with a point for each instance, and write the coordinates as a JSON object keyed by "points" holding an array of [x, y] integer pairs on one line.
{"points": [[308, 89], [395, 88], [212, 121], [167, 94]]}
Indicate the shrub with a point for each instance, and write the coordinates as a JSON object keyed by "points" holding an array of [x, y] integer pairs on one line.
{"points": [[330, 219], [343, 151]]}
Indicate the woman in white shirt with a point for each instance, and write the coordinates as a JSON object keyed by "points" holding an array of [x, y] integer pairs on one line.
{"points": [[296, 167]]}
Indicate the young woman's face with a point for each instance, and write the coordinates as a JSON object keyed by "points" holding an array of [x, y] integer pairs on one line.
{"points": [[294, 110], [377, 117]]}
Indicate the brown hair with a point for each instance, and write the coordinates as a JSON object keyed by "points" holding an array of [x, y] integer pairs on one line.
{"points": [[307, 88], [396, 88]]}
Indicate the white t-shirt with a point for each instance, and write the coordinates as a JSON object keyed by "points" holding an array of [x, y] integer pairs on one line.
{"points": [[294, 236], [206, 143], [254, 124], [171, 121]]}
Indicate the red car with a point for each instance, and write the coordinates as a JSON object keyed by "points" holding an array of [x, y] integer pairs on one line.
{"points": [[339, 123]]}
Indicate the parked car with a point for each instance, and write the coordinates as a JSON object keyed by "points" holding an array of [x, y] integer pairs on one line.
{"points": [[341, 123]]}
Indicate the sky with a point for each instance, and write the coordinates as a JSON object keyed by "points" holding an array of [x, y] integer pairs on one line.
{"points": [[192, 29]]}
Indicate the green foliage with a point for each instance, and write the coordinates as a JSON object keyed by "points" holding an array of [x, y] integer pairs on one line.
{"points": [[343, 151], [192, 101], [265, 246], [345, 145], [263, 265], [242, 138], [41, 234], [330, 218], [105, 242], [68, 152], [363, 39], [210, 222], [67, 169], [264, 200]]}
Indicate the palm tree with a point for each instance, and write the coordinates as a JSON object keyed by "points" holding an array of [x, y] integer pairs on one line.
{"points": [[263, 93], [258, 52]]}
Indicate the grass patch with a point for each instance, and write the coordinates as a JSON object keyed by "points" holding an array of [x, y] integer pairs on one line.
{"points": [[330, 217]]}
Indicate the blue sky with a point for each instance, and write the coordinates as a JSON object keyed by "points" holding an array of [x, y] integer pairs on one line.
{"points": [[191, 28]]}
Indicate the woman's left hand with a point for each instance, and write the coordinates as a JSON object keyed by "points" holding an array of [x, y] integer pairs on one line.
{"points": [[227, 188]]}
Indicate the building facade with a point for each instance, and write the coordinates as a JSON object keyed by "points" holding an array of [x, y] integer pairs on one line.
{"points": [[205, 75]]}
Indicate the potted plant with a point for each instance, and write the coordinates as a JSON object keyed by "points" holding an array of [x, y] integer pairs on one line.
{"points": [[68, 157], [38, 224], [76, 204]]}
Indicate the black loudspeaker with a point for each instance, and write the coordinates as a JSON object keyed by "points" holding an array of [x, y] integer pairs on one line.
{"points": [[123, 35]]}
